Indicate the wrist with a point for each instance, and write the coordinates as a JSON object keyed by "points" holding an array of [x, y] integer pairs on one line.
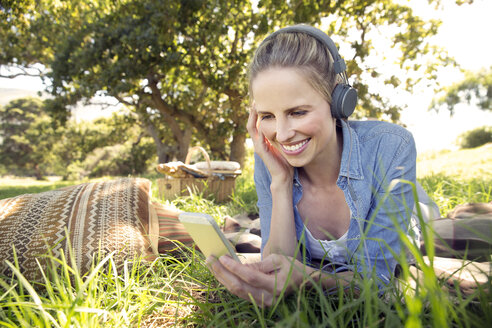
{"points": [[281, 185]]}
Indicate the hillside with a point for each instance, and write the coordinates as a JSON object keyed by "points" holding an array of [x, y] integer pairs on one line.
{"points": [[464, 163], [9, 94]]}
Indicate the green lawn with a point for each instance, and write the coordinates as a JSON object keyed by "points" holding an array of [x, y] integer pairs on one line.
{"points": [[178, 290], [465, 164]]}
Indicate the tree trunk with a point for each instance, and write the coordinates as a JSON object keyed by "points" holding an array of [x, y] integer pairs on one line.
{"points": [[217, 146], [238, 144], [184, 141], [165, 153], [38, 173], [238, 148]]}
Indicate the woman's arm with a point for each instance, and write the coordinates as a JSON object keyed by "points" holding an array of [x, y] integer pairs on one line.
{"points": [[389, 215], [278, 212], [283, 238]]}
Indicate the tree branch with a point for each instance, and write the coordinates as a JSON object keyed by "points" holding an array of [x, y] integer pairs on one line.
{"points": [[170, 111], [24, 71], [123, 101]]}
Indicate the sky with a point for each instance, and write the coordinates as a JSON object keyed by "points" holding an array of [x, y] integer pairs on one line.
{"points": [[464, 33]]}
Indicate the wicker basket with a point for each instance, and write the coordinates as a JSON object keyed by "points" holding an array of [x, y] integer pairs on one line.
{"points": [[219, 186]]}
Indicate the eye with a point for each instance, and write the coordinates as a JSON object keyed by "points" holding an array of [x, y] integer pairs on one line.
{"points": [[266, 117], [298, 113]]}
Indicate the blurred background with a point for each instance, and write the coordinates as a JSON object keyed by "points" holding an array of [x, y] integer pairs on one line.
{"points": [[113, 88]]}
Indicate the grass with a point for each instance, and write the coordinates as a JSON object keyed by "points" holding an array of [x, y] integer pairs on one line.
{"points": [[465, 164], [178, 290], [13, 186]]}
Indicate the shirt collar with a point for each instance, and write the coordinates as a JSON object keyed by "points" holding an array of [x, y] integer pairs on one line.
{"points": [[351, 148]]}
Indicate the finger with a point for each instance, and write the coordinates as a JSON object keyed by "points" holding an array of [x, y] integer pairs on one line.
{"points": [[268, 265], [252, 122], [239, 287], [223, 275], [251, 276], [260, 142], [289, 272]]}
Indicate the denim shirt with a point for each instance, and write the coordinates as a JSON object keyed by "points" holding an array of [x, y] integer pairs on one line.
{"points": [[379, 153]]}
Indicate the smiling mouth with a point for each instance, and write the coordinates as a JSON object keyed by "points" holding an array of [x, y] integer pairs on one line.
{"points": [[296, 147]]}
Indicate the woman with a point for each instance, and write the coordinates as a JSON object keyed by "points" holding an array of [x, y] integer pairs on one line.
{"points": [[322, 183]]}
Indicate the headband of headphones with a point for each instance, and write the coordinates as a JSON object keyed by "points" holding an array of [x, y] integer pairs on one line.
{"points": [[338, 62], [344, 97]]}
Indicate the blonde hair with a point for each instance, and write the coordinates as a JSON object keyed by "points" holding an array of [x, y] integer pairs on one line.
{"points": [[299, 51]]}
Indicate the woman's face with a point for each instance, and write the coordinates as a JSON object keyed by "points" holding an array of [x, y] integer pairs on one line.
{"points": [[293, 116]]}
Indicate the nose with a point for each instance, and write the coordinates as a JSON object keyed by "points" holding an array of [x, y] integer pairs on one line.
{"points": [[284, 130]]}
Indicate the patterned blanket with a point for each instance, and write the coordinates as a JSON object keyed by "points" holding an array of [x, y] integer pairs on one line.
{"points": [[98, 217]]}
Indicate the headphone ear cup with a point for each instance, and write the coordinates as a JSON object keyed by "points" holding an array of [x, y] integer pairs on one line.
{"points": [[344, 99]]}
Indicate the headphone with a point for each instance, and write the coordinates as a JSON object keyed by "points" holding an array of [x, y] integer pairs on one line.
{"points": [[344, 97]]}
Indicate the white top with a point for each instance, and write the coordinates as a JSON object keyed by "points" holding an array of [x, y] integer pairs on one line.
{"points": [[334, 251]]}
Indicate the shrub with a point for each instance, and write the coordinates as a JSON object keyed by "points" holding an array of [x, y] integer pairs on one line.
{"points": [[476, 137], [118, 160], [3, 170]]}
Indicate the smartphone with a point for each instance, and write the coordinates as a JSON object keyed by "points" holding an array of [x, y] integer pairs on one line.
{"points": [[207, 235]]}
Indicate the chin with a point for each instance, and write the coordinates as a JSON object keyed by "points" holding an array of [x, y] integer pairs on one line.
{"points": [[297, 162]]}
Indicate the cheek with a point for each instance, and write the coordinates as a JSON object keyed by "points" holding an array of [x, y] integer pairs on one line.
{"points": [[267, 128], [310, 127], [318, 124]]}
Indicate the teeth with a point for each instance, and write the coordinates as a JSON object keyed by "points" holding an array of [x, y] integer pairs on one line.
{"points": [[295, 147]]}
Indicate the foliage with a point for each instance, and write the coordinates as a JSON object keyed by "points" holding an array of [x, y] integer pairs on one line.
{"points": [[450, 191], [475, 88], [139, 54], [26, 137], [178, 289], [109, 296], [181, 65], [244, 198], [3, 170], [31, 144], [107, 146], [119, 159], [476, 137], [21, 49]]}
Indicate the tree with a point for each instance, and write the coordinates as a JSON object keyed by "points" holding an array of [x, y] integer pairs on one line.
{"points": [[26, 137], [20, 49], [181, 65], [30, 144], [476, 87], [31, 29], [177, 70]]}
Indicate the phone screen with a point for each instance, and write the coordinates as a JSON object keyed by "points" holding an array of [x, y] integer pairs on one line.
{"points": [[207, 235]]}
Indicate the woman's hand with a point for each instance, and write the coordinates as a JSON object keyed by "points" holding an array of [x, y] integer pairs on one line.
{"points": [[261, 281], [277, 165]]}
